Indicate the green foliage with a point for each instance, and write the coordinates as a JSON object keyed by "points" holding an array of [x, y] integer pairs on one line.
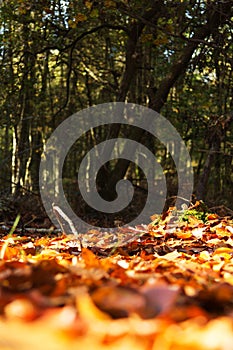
{"points": [[57, 57], [199, 211], [200, 215]]}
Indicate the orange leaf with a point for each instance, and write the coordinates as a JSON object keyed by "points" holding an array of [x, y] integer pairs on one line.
{"points": [[91, 260], [222, 232], [10, 253], [183, 235]]}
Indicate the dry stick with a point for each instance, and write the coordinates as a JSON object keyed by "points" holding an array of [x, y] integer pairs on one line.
{"points": [[59, 213]]}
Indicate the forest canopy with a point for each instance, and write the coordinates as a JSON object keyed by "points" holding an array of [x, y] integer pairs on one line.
{"points": [[59, 57]]}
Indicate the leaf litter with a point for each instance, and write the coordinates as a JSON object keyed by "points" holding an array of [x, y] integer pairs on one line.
{"points": [[167, 285]]}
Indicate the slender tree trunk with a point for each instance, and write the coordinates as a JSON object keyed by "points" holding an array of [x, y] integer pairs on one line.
{"points": [[22, 131], [34, 160]]}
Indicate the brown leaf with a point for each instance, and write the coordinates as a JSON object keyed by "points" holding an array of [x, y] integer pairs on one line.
{"points": [[159, 299], [118, 301]]}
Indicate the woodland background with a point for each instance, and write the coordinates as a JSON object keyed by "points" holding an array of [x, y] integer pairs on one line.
{"points": [[59, 57]]}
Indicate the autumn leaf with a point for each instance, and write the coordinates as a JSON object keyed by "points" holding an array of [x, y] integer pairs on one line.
{"points": [[153, 286]]}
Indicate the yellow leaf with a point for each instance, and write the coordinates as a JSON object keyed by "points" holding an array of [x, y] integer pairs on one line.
{"points": [[72, 24], [204, 256], [174, 109], [88, 5], [80, 17], [110, 3]]}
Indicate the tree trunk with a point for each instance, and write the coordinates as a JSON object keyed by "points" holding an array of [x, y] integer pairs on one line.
{"points": [[216, 15], [22, 131], [203, 180], [106, 177], [216, 135]]}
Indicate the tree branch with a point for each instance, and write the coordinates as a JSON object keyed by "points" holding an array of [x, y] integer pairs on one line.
{"points": [[215, 17]]}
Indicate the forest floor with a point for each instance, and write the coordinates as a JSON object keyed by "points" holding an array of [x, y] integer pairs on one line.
{"points": [[166, 285]]}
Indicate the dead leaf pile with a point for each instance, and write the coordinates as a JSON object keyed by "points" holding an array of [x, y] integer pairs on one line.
{"points": [[168, 285]]}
